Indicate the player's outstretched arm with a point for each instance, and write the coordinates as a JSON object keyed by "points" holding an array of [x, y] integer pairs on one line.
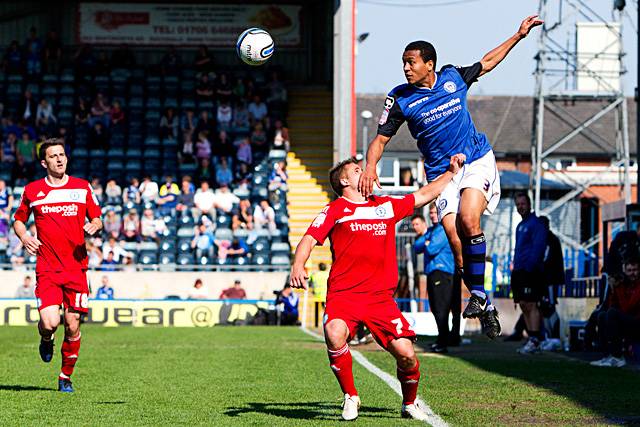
{"points": [[429, 192], [298, 277], [93, 227], [495, 56], [30, 243], [370, 175]]}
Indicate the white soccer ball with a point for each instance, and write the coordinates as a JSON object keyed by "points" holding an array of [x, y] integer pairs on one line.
{"points": [[255, 46]]}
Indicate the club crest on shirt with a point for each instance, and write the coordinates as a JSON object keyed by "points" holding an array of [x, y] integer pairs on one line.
{"points": [[319, 220], [74, 195], [450, 87], [442, 204], [381, 211]]}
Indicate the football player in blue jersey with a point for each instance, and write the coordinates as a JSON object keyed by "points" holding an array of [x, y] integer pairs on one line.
{"points": [[434, 105]]}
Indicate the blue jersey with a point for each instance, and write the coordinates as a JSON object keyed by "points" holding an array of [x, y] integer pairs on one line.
{"points": [[437, 118], [531, 244], [436, 249]]}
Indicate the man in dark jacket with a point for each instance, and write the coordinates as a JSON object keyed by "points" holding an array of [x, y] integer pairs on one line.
{"points": [[444, 296]]}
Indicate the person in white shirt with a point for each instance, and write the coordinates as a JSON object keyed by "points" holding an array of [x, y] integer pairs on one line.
{"points": [[112, 245], [148, 190], [205, 201], [225, 199], [199, 291], [264, 216]]}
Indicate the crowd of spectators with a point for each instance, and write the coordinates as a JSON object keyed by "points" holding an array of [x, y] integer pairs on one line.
{"points": [[223, 126]]}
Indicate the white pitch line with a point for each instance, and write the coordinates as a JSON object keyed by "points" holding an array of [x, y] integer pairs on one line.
{"points": [[434, 420]]}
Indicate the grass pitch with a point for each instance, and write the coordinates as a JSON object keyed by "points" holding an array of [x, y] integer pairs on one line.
{"points": [[280, 377]]}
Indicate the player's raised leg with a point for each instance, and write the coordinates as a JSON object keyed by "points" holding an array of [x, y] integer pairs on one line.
{"points": [[336, 333], [70, 349], [49, 322], [408, 371], [474, 250]]}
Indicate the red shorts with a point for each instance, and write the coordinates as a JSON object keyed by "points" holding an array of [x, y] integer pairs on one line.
{"points": [[382, 316], [63, 287]]}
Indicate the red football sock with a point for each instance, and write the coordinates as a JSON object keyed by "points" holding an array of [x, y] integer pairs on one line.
{"points": [[70, 349], [409, 379], [341, 364]]}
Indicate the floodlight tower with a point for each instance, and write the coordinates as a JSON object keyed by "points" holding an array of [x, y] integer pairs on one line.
{"points": [[579, 59]]}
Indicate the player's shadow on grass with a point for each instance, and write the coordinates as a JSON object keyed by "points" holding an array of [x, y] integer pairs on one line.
{"points": [[306, 410], [17, 387]]}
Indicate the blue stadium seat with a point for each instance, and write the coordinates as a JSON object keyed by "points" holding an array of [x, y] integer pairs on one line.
{"points": [[49, 91], [155, 104], [148, 257], [223, 221], [224, 234], [167, 258], [67, 90], [184, 246], [280, 260], [261, 245], [168, 245], [66, 102], [279, 248], [185, 232], [152, 142], [50, 78], [260, 259], [185, 259], [240, 260], [136, 103]]}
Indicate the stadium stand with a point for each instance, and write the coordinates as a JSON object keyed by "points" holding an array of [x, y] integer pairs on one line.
{"points": [[151, 136]]}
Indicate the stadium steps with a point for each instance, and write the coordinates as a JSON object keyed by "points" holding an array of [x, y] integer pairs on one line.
{"points": [[305, 198]]}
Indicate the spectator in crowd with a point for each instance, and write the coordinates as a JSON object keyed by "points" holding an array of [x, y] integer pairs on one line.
{"points": [[127, 264], [45, 120], [82, 113], [104, 291], [276, 95], [26, 148], [21, 172], [223, 89], [168, 195], [98, 138], [103, 65], [199, 291], [234, 248], [13, 58], [239, 90], [131, 226], [185, 199], [28, 107], [99, 112], [205, 201], [444, 295], [52, 53], [257, 110], [527, 280], [242, 218], [169, 125], [94, 254], [224, 115], [203, 62], [241, 120], [109, 263], [278, 177], [288, 302], [84, 61], [150, 227], [8, 152], [132, 192], [187, 151], [223, 148], [123, 57], [6, 198], [243, 176], [203, 147], [280, 136], [259, 142], [170, 62], [203, 242], [98, 191], [264, 216], [26, 290], [15, 251], [244, 153], [112, 246], [205, 124], [148, 190], [406, 178], [112, 224], [554, 278], [234, 292], [224, 177], [188, 124], [205, 170], [225, 199], [117, 115], [113, 192], [204, 89], [620, 320]]}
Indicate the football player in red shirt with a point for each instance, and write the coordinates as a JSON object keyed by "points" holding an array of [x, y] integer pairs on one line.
{"points": [[364, 276], [60, 205]]}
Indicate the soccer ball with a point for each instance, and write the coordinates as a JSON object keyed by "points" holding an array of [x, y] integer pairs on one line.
{"points": [[255, 46]]}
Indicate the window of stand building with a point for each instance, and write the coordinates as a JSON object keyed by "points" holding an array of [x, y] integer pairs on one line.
{"points": [[396, 172]]}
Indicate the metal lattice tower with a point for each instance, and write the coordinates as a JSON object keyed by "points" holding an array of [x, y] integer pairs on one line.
{"points": [[562, 68]]}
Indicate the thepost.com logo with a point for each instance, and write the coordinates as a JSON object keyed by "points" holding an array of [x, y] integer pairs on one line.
{"points": [[376, 229], [65, 210]]}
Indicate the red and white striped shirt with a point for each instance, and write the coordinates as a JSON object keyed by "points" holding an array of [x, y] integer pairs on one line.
{"points": [[59, 212]]}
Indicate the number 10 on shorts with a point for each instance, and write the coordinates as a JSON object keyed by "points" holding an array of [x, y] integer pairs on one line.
{"points": [[82, 300]]}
